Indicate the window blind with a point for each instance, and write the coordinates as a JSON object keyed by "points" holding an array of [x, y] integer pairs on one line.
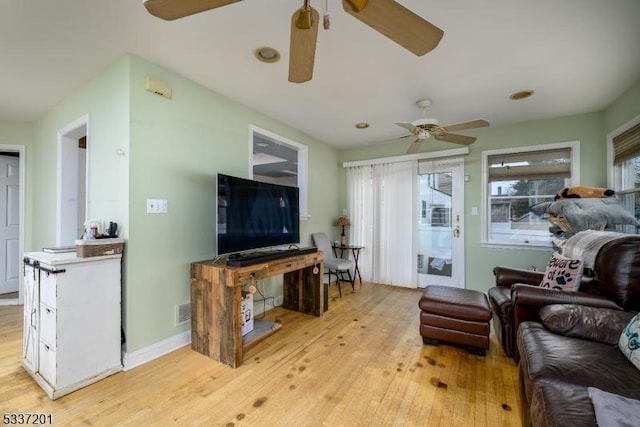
{"points": [[541, 164], [626, 146]]}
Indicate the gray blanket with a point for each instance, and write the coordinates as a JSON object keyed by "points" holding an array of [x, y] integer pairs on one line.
{"points": [[585, 245]]}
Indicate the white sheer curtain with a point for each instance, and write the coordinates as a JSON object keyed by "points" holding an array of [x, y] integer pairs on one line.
{"points": [[361, 213], [382, 206]]}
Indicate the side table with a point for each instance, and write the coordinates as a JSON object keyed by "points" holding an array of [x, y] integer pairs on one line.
{"points": [[355, 251]]}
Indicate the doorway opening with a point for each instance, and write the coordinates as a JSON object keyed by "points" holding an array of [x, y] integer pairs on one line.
{"points": [[12, 164], [73, 172], [279, 160]]}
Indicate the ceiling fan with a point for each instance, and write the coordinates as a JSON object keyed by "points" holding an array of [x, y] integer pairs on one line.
{"points": [[385, 16], [425, 128]]}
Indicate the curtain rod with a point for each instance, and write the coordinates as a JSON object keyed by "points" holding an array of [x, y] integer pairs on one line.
{"points": [[406, 157]]}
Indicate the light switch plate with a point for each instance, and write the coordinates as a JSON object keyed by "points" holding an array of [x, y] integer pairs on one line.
{"points": [[155, 206]]}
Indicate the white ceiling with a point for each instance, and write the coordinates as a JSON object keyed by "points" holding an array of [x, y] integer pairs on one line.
{"points": [[578, 56]]}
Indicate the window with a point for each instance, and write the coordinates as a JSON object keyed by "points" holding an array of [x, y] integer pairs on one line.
{"points": [[517, 179], [624, 149], [279, 160]]}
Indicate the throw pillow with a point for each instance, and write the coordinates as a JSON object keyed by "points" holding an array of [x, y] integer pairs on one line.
{"points": [[614, 410], [562, 273], [630, 341]]}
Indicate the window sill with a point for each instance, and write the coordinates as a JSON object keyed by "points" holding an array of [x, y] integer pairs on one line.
{"points": [[518, 246]]}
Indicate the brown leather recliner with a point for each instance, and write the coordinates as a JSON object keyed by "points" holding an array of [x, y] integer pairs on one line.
{"points": [[517, 297]]}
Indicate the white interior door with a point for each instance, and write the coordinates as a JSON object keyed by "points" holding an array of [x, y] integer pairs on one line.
{"points": [[9, 224], [440, 223]]}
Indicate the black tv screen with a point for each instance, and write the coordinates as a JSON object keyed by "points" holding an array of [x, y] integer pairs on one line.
{"points": [[253, 214]]}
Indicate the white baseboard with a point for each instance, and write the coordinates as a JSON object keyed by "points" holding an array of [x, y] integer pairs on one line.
{"points": [[149, 353]]}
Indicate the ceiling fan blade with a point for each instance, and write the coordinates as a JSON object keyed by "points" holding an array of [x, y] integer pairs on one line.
{"points": [[415, 146], [456, 139], [302, 50], [397, 23], [174, 9], [472, 124], [414, 130]]}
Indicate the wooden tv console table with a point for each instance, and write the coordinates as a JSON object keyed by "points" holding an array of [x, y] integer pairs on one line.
{"points": [[216, 294]]}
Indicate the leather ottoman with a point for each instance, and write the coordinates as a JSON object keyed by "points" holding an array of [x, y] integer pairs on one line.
{"points": [[457, 316]]}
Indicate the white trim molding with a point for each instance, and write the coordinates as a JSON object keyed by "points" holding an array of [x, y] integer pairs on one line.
{"points": [[485, 217], [149, 353], [303, 161]]}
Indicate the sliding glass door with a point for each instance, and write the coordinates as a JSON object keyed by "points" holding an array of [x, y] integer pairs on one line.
{"points": [[440, 242]]}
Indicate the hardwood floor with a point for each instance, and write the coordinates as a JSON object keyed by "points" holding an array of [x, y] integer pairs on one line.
{"points": [[362, 364]]}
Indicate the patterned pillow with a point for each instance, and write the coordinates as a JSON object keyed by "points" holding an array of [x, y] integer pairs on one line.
{"points": [[562, 273], [630, 341]]}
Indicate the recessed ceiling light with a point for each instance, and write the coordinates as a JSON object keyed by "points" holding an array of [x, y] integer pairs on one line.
{"points": [[267, 54], [362, 125], [262, 144], [521, 94]]}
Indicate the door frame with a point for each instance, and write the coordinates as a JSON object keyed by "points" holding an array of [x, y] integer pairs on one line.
{"points": [[458, 276], [20, 149]]}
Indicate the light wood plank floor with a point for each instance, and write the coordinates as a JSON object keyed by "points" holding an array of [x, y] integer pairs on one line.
{"points": [[362, 364]]}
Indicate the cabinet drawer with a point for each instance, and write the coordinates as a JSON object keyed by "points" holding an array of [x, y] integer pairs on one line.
{"points": [[48, 363], [48, 324], [285, 266], [48, 290]]}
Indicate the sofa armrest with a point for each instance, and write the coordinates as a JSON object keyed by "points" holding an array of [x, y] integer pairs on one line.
{"points": [[506, 276], [579, 321]]}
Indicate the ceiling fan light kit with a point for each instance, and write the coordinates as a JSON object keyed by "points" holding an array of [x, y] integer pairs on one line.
{"points": [[387, 17], [426, 127]]}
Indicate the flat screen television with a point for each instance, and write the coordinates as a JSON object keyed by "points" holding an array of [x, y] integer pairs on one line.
{"points": [[253, 214]]}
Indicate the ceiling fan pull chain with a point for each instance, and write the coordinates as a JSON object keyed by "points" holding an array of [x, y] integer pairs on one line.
{"points": [[326, 22]]}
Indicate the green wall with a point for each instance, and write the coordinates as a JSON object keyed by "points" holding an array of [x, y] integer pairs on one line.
{"points": [[177, 148], [144, 146], [105, 99], [623, 109], [590, 129]]}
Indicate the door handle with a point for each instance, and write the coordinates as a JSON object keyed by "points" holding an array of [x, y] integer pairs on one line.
{"points": [[456, 231]]}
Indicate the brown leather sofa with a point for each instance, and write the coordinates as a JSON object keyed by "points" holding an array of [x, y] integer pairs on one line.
{"points": [[615, 284], [574, 348]]}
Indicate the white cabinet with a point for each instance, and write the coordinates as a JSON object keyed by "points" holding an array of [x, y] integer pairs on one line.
{"points": [[71, 320]]}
